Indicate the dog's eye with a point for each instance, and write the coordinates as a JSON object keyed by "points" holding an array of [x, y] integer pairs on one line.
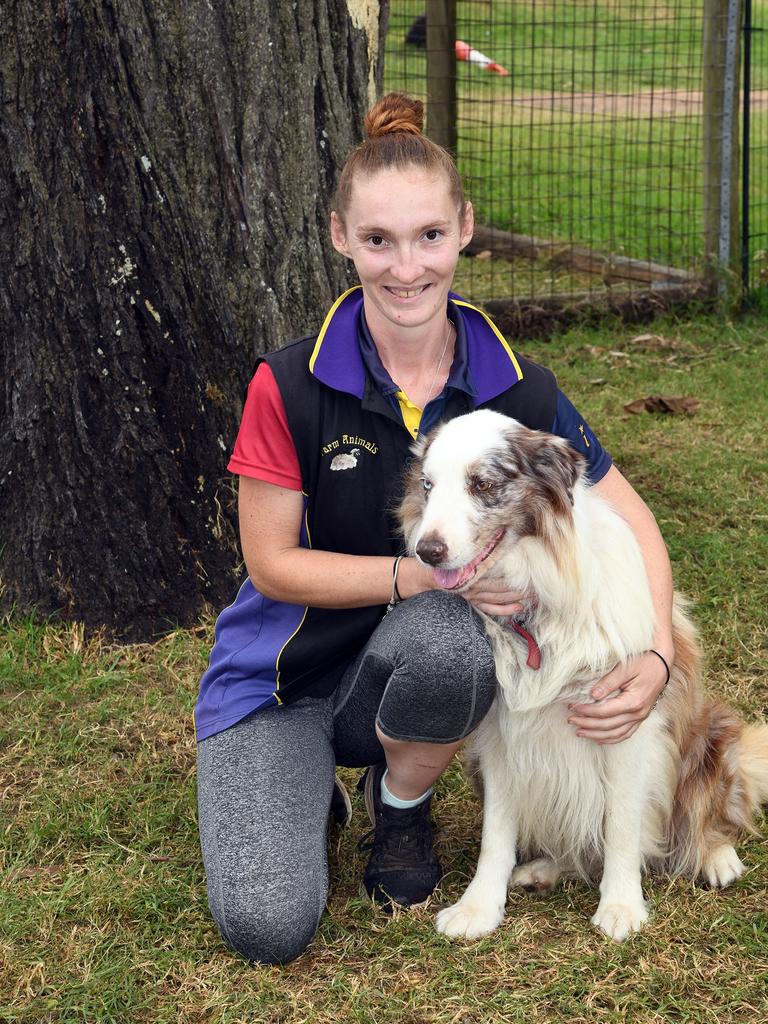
{"points": [[479, 486], [426, 484]]}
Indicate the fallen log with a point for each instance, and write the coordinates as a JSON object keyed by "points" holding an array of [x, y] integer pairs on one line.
{"points": [[540, 316], [609, 267]]}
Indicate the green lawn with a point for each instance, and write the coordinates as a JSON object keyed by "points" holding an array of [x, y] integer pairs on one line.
{"points": [[595, 138], [104, 915], [567, 44], [571, 44]]}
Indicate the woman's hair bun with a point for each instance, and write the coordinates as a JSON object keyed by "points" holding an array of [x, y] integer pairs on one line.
{"points": [[394, 112], [395, 142]]}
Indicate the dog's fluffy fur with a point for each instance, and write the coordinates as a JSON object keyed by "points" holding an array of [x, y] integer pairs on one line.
{"points": [[674, 796]]}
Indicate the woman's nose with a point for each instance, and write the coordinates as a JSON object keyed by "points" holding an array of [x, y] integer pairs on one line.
{"points": [[406, 268]]}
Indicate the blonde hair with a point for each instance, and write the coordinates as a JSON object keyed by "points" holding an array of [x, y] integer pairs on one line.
{"points": [[393, 129]]}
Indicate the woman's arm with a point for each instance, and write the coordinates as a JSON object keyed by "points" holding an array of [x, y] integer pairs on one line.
{"points": [[270, 524], [639, 683]]}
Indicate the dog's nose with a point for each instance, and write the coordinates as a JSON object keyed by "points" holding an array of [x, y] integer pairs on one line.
{"points": [[432, 550]]}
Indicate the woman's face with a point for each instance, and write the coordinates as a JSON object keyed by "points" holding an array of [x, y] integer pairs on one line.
{"points": [[403, 233]]}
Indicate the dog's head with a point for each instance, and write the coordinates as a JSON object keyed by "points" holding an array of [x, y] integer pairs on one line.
{"points": [[480, 482]]}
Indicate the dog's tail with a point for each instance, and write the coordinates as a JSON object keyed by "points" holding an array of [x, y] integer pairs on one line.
{"points": [[723, 782], [723, 769], [753, 758]]}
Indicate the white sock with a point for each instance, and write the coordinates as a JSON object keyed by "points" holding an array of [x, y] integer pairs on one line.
{"points": [[394, 801]]}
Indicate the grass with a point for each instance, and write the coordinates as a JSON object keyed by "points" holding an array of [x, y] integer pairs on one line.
{"points": [[104, 916], [551, 179], [566, 44]]}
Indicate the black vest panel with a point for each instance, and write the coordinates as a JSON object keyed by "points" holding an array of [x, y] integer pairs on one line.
{"points": [[353, 455]]}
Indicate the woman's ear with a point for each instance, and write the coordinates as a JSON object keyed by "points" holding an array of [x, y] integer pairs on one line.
{"points": [[468, 225], [339, 235]]}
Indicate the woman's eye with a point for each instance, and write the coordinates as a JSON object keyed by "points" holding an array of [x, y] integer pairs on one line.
{"points": [[376, 241], [432, 235]]}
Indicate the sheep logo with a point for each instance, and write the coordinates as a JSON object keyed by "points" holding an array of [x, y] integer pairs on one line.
{"points": [[345, 461]]}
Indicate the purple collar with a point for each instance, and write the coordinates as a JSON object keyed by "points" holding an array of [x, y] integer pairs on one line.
{"points": [[337, 361]]}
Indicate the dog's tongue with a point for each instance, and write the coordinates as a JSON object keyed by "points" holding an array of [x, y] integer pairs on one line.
{"points": [[447, 579], [450, 579]]}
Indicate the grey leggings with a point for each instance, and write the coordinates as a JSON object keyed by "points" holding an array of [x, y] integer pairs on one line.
{"points": [[265, 784]]}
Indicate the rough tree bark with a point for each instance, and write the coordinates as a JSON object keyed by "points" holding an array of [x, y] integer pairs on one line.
{"points": [[165, 172]]}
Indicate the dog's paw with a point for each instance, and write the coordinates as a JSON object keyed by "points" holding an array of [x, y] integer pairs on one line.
{"points": [[469, 920], [722, 867], [538, 876], [618, 920]]}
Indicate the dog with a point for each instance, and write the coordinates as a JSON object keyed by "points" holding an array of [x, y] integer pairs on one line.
{"points": [[486, 494]]}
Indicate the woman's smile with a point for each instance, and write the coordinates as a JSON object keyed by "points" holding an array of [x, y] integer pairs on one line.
{"points": [[406, 293], [405, 251]]}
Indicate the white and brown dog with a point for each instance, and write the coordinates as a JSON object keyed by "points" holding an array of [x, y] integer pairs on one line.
{"points": [[486, 494]]}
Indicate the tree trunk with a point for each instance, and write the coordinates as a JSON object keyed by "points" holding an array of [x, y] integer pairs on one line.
{"points": [[165, 176]]}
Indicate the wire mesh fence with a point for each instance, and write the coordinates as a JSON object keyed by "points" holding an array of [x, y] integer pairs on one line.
{"points": [[580, 133]]}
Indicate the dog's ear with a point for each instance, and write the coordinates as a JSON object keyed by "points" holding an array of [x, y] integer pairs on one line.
{"points": [[556, 455], [551, 464], [557, 464], [411, 506], [421, 444]]}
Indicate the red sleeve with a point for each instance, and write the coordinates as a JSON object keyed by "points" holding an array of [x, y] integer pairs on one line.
{"points": [[264, 448]]}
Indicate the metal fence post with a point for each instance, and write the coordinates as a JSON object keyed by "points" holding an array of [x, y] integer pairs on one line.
{"points": [[721, 139], [441, 73]]}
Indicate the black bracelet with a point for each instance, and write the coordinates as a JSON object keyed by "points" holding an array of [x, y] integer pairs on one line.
{"points": [[395, 597], [666, 666]]}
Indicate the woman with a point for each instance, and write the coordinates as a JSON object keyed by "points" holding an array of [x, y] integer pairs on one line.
{"points": [[307, 672]]}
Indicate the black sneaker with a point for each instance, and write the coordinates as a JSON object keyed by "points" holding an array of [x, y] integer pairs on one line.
{"points": [[402, 868]]}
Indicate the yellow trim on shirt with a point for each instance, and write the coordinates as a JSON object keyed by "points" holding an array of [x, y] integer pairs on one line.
{"points": [[277, 660], [496, 331], [411, 413], [326, 324]]}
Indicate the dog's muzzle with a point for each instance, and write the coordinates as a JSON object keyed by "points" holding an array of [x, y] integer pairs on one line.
{"points": [[433, 550]]}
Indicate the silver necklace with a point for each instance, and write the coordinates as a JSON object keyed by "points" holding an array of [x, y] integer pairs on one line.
{"points": [[440, 361]]}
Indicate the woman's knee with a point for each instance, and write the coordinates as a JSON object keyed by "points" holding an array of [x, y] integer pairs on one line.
{"points": [[271, 932], [436, 627], [443, 680]]}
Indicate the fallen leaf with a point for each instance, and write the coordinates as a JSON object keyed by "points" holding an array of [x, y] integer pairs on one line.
{"points": [[664, 403], [485, 254], [651, 342]]}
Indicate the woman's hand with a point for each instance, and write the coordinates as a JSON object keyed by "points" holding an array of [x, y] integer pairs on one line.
{"points": [[490, 596], [626, 696], [494, 597]]}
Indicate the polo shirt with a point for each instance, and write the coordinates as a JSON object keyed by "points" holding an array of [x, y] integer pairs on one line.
{"points": [[332, 413]]}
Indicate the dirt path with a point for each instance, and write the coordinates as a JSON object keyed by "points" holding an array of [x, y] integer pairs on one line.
{"points": [[644, 103]]}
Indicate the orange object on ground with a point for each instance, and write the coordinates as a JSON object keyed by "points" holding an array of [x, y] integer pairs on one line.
{"points": [[465, 52]]}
